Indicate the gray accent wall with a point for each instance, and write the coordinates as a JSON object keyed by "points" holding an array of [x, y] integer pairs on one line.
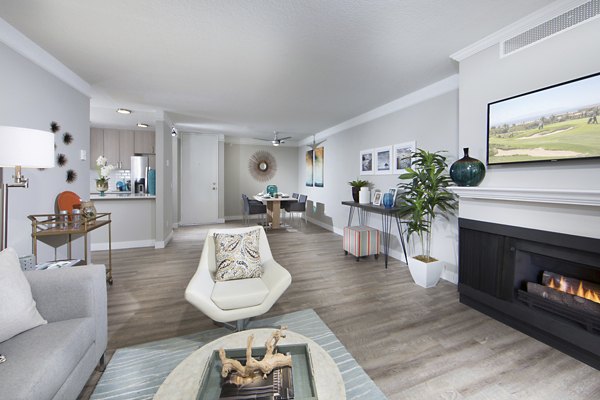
{"points": [[237, 178], [485, 77], [32, 98], [433, 124]]}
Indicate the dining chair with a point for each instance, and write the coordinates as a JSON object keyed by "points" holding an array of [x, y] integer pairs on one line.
{"points": [[253, 207], [297, 206]]}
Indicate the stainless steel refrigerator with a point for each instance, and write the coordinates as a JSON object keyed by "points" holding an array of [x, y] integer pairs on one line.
{"points": [[139, 174]]}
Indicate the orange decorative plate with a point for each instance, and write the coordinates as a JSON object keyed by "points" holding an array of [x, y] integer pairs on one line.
{"points": [[66, 201]]}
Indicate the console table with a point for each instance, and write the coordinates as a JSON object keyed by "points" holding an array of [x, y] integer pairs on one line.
{"points": [[53, 225], [387, 215]]}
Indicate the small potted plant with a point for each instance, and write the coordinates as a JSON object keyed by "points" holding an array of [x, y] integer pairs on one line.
{"points": [[103, 174], [422, 197], [356, 186]]}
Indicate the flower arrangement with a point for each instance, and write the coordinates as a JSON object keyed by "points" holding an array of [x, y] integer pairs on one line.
{"points": [[103, 170]]}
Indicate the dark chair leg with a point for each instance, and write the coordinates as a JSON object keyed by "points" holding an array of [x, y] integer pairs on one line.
{"points": [[102, 363]]}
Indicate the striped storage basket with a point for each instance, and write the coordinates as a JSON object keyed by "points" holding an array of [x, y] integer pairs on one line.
{"points": [[361, 241]]}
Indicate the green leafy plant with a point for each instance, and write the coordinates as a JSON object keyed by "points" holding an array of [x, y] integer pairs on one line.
{"points": [[425, 195], [358, 183]]}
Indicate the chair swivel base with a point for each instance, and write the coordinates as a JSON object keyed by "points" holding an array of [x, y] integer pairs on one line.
{"points": [[237, 326]]}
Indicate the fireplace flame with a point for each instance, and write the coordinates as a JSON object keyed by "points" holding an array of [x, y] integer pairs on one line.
{"points": [[563, 286]]}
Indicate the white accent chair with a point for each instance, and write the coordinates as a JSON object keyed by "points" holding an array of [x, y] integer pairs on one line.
{"points": [[236, 300]]}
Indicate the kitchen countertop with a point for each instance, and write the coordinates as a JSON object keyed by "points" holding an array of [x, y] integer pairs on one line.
{"points": [[121, 196]]}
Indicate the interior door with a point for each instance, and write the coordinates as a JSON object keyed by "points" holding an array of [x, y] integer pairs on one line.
{"points": [[199, 178]]}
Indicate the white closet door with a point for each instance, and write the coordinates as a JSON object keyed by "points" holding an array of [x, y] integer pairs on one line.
{"points": [[199, 179]]}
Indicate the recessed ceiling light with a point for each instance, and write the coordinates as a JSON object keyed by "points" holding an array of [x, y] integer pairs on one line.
{"points": [[123, 111], [140, 125]]}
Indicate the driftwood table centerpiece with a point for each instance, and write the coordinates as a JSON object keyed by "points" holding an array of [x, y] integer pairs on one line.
{"points": [[254, 368]]}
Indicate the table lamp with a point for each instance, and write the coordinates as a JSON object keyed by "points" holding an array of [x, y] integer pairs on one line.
{"points": [[22, 148]]}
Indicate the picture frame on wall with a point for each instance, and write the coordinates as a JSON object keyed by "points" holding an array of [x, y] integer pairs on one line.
{"points": [[402, 157], [318, 166], [383, 160], [309, 168], [377, 198], [367, 164]]}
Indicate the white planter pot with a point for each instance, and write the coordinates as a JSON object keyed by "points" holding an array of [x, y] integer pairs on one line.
{"points": [[425, 274], [364, 196]]}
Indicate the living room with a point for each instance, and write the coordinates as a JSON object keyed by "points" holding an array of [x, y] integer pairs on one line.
{"points": [[409, 342]]}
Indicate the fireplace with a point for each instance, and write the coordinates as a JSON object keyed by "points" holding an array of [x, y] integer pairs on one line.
{"points": [[517, 276]]}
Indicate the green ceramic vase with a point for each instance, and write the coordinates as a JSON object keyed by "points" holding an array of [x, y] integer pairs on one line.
{"points": [[467, 171]]}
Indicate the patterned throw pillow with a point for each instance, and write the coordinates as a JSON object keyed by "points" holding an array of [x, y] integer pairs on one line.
{"points": [[237, 255]]}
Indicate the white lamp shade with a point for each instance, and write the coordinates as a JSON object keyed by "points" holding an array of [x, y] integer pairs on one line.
{"points": [[28, 148]]}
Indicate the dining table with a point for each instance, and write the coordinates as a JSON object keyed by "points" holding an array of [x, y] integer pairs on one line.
{"points": [[273, 204]]}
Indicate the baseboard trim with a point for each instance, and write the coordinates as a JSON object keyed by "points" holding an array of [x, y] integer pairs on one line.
{"points": [[337, 231], [122, 245], [449, 276], [163, 243], [234, 218]]}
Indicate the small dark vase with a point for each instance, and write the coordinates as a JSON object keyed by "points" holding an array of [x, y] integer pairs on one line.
{"points": [[467, 171], [388, 200], [355, 190]]}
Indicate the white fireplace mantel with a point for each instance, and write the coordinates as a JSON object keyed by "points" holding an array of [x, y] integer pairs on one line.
{"points": [[551, 196]]}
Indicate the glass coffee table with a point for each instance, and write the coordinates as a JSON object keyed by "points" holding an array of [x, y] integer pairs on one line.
{"points": [[184, 382]]}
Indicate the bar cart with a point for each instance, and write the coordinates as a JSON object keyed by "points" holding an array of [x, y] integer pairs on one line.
{"points": [[70, 224]]}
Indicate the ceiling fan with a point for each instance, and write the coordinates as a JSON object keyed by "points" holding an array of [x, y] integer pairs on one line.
{"points": [[276, 141]]}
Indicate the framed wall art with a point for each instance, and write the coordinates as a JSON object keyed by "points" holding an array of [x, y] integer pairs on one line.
{"points": [[309, 168], [366, 162], [383, 160], [402, 157]]}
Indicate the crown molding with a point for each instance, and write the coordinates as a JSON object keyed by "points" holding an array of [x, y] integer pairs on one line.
{"points": [[428, 92], [21, 44], [530, 21]]}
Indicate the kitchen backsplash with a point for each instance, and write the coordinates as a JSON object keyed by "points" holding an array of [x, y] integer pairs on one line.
{"points": [[115, 175]]}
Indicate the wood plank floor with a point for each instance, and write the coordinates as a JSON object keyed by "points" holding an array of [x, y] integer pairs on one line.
{"points": [[414, 343]]}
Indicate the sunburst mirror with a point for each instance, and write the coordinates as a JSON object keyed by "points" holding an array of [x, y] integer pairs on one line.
{"points": [[262, 166]]}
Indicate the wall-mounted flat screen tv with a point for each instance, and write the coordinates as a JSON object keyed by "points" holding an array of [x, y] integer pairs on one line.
{"points": [[560, 122]]}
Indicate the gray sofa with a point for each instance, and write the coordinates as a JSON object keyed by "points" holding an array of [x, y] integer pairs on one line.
{"points": [[54, 361]]}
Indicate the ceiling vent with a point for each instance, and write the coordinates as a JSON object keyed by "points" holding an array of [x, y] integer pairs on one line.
{"points": [[578, 15]]}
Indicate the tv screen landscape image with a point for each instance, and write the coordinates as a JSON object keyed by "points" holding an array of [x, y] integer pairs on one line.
{"points": [[560, 122]]}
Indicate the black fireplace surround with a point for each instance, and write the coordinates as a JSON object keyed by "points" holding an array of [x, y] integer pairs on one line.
{"points": [[496, 262]]}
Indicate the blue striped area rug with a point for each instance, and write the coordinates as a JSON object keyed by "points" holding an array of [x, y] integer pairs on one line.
{"points": [[136, 372]]}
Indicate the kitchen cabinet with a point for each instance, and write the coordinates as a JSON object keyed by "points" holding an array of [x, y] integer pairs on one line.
{"points": [[144, 142], [117, 147], [126, 140], [96, 145]]}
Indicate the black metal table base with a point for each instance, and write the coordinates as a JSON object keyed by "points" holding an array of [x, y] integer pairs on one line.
{"points": [[387, 217]]}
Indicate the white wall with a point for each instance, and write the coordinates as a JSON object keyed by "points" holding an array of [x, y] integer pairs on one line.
{"points": [[238, 180], [164, 182], [433, 123], [32, 98], [484, 78]]}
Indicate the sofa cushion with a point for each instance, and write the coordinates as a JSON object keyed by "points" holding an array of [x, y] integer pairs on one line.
{"points": [[230, 295], [18, 312], [40, 360], [237, 255]]}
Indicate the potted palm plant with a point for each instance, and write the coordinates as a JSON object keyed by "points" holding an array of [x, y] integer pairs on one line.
{"points": [[356, 186], [422, 197]]}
